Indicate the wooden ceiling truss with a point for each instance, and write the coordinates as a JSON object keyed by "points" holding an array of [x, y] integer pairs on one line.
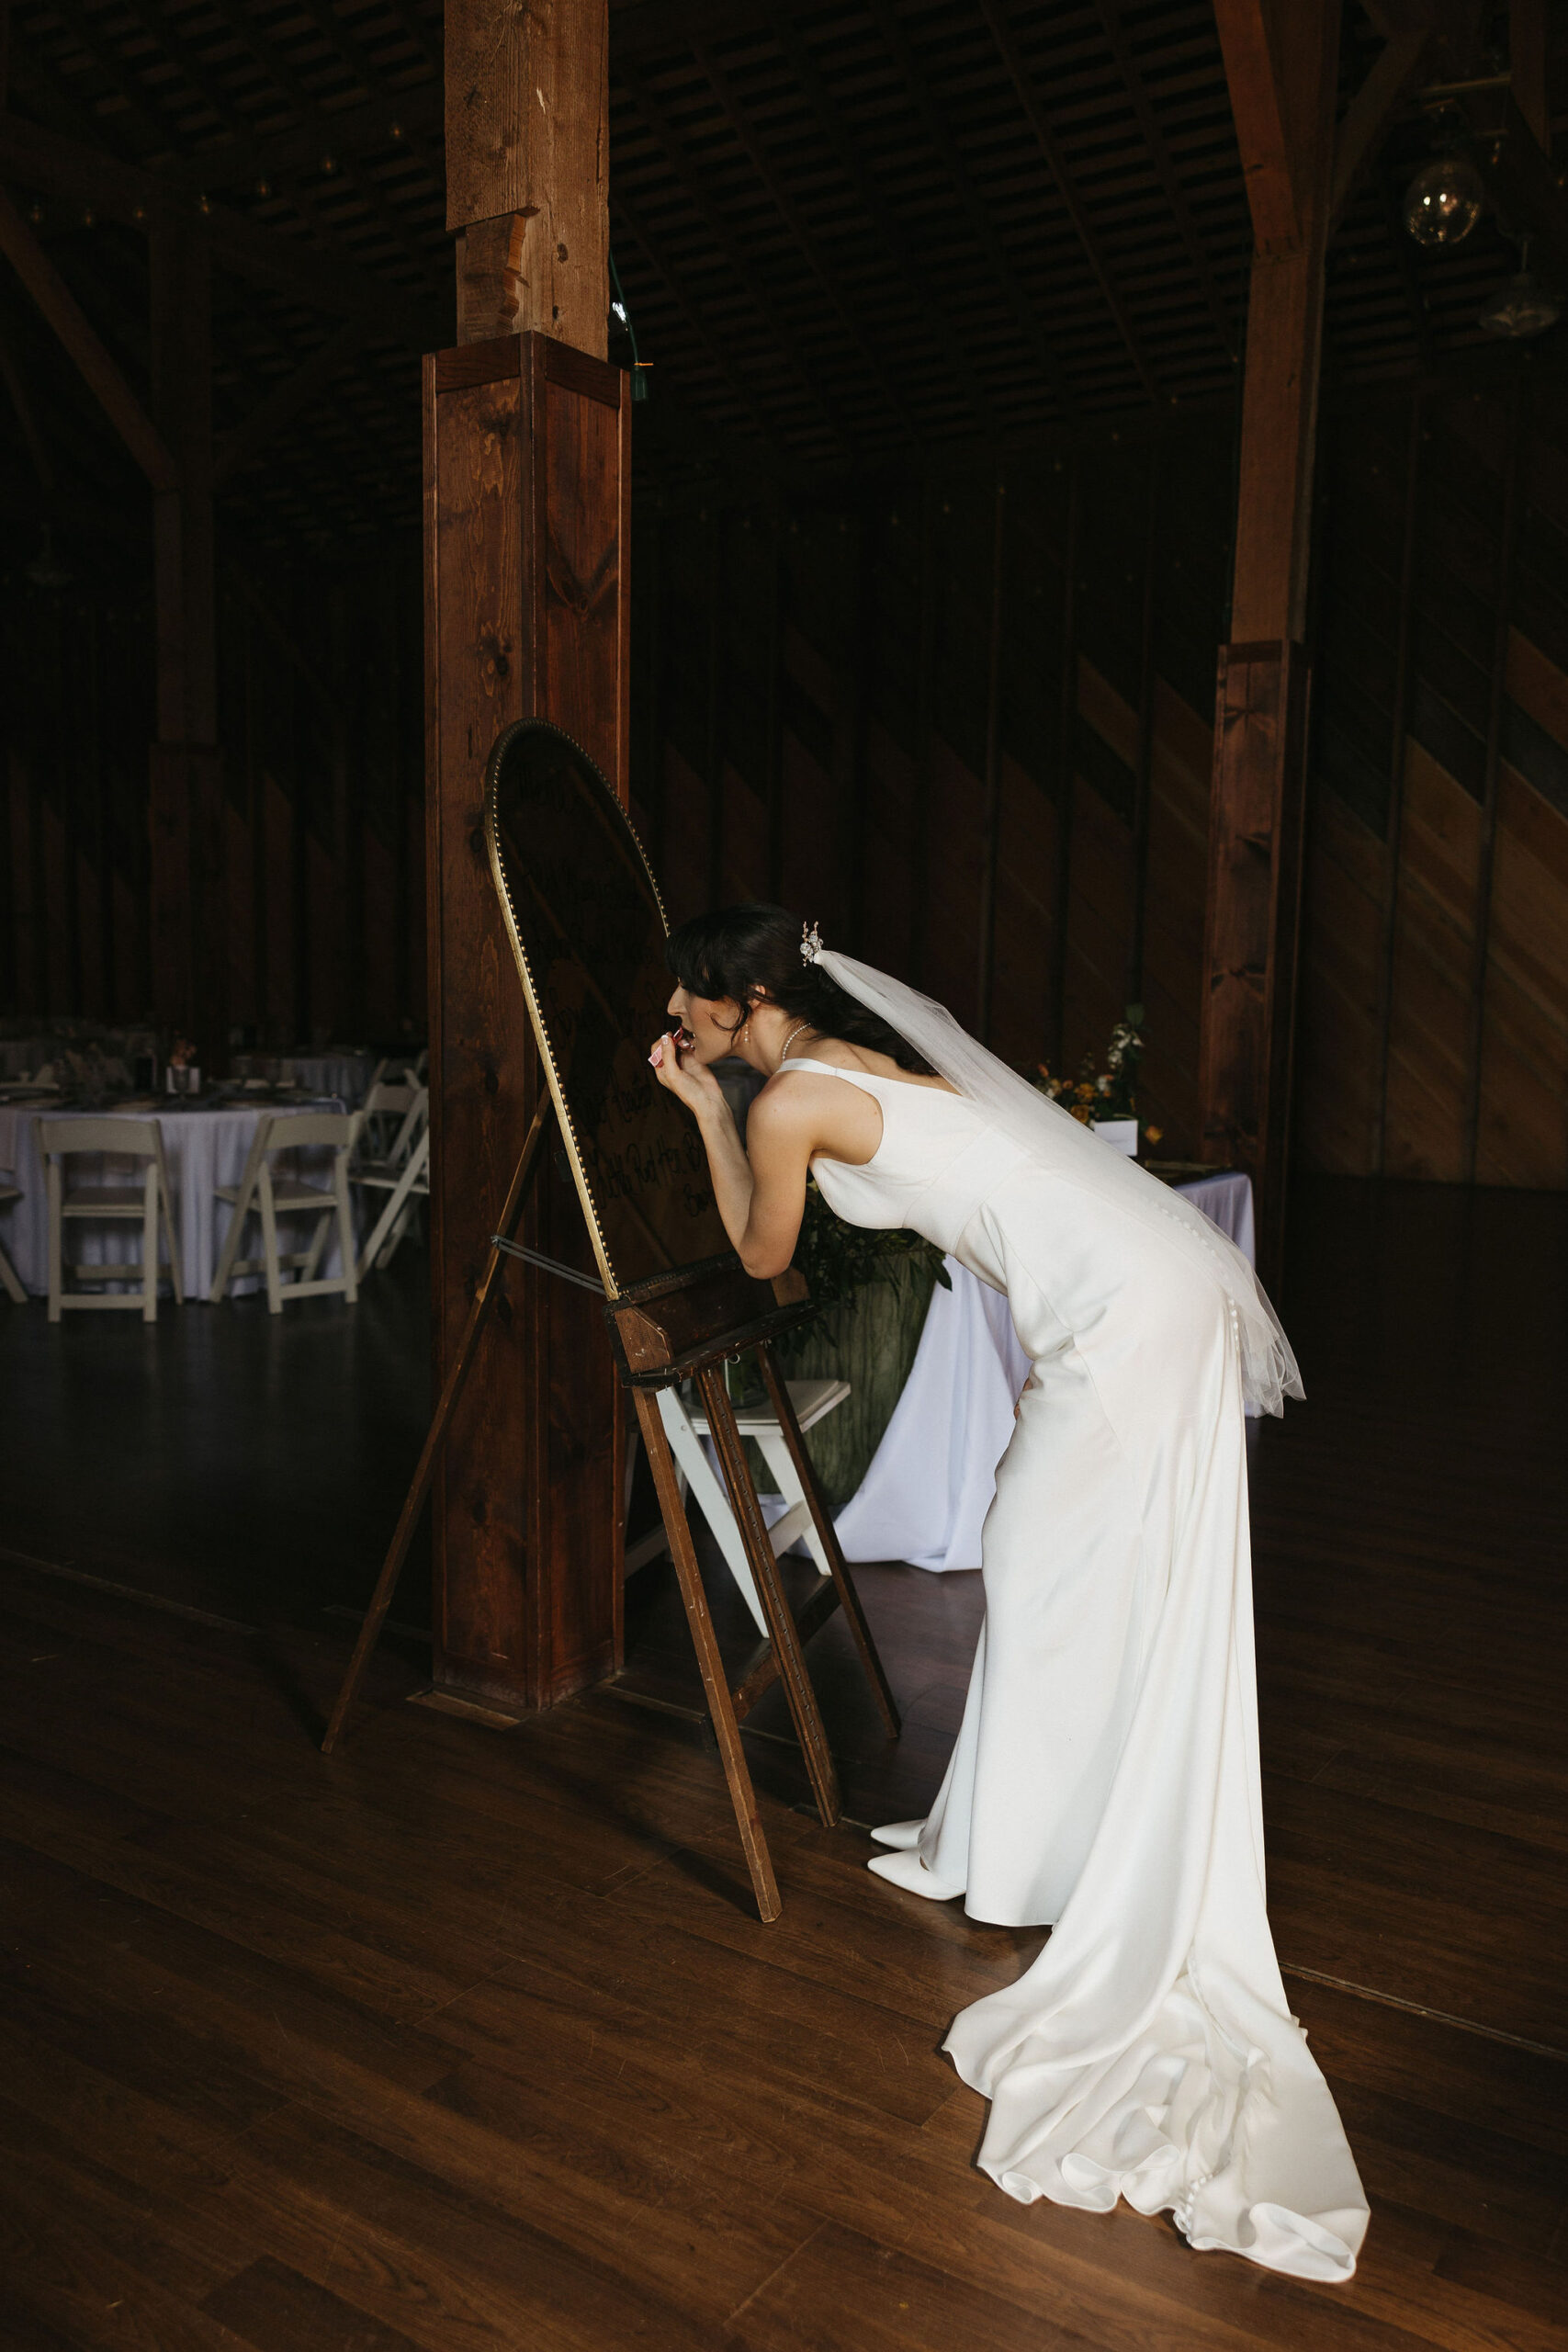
{"points": [[845, 232]]}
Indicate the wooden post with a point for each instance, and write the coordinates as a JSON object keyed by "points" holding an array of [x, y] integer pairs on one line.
{"points": [[527, 186], [1281, 63], [189, 941], [527, 443]]}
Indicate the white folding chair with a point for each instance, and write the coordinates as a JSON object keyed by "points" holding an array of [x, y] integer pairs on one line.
{"points": [[8, 1282], [135, 1139], [403, 1187], [390, 1119], [813, 1401], [258, 1192], [383, 1161]]}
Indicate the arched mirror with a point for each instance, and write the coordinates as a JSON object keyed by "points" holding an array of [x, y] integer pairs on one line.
{"points": [[588, 930]]}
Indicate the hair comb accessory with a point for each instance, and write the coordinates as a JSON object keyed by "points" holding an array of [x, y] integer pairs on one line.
{"points": [[810, 943]]}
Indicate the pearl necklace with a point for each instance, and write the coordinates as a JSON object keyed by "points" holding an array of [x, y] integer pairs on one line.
{"points": [[789, 1042]]}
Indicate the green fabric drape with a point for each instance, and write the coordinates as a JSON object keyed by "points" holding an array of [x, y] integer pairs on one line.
{"points": [[869, 1339]]}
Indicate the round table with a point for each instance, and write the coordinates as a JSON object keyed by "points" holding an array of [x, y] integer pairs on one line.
{"points": [[346, 1075], [205, 1145]]}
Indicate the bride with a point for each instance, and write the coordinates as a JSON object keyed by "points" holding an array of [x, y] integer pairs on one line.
{"points": [[1105, 1778]]}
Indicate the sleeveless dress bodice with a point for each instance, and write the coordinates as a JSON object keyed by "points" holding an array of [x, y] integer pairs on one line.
{"points": [[939, 1160], [1105, 1780]]}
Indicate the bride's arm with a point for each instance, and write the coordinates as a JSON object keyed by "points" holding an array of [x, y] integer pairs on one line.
{"points": [[760, 1195]]}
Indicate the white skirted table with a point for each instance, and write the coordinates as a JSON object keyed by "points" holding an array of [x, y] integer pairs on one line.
{"points": [[925, 1496], [346, 1075], [204, 1145]]}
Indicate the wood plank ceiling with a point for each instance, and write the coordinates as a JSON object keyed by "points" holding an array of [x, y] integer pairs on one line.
{"points": [[845, 233]]}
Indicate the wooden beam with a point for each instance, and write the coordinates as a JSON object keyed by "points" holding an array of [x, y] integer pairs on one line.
{"points": [[1281, 61], [284, 402], [1251, 39], [97, 371], [528, 171], [527, 442]]}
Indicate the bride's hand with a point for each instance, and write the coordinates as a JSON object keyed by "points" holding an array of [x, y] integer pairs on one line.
{"points": [[691, 1084]]}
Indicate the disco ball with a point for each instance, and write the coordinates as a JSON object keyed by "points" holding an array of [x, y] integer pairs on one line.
{"points": [[1443, 203]]}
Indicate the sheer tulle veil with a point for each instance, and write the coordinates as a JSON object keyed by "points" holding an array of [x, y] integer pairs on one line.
{"points": [[1061, 1144]]}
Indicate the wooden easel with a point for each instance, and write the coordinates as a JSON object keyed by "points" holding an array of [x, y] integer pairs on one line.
{"points": [[675, 1327]]}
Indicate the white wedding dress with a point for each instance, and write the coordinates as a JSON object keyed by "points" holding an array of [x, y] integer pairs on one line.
{"points": [[1105, 1780]]}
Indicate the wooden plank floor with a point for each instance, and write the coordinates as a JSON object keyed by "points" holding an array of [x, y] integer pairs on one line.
{"points": [[469, 2039]]}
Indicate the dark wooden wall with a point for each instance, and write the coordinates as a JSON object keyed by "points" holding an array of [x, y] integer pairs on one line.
{"points": [[320, 718], [963, 723], [969, 732], [1434, 1019], [968, 725]]}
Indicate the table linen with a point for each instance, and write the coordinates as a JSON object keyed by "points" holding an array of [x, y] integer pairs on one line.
{"points": [[204, 1145], [930, 1482]]}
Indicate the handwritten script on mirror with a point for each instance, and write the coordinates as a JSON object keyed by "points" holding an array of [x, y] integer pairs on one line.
{"points": [[590, 930]]}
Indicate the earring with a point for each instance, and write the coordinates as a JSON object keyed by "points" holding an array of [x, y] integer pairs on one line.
{"points": [[746, 1033]]}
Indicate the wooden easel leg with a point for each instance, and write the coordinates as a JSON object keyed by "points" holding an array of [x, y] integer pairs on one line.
{"points": [[408, 1518], [804, 1711], [721, 1707], [849, 1599]]}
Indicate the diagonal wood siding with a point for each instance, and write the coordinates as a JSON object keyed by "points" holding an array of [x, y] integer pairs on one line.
{"points": [[1435, 1022]]}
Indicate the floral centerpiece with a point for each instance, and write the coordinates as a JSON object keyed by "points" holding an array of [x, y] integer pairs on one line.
{"points": [[1109, 1093]]}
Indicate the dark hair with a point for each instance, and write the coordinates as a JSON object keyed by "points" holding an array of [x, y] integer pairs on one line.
{"points": [[739, 952]]}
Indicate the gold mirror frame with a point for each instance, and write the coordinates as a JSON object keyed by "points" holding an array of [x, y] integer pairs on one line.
{"points": [[630, 1245]]}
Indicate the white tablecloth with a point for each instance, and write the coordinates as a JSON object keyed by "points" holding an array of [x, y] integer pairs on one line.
{"points": [[925, 1496], [202, 1148], [347, 1075]]}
